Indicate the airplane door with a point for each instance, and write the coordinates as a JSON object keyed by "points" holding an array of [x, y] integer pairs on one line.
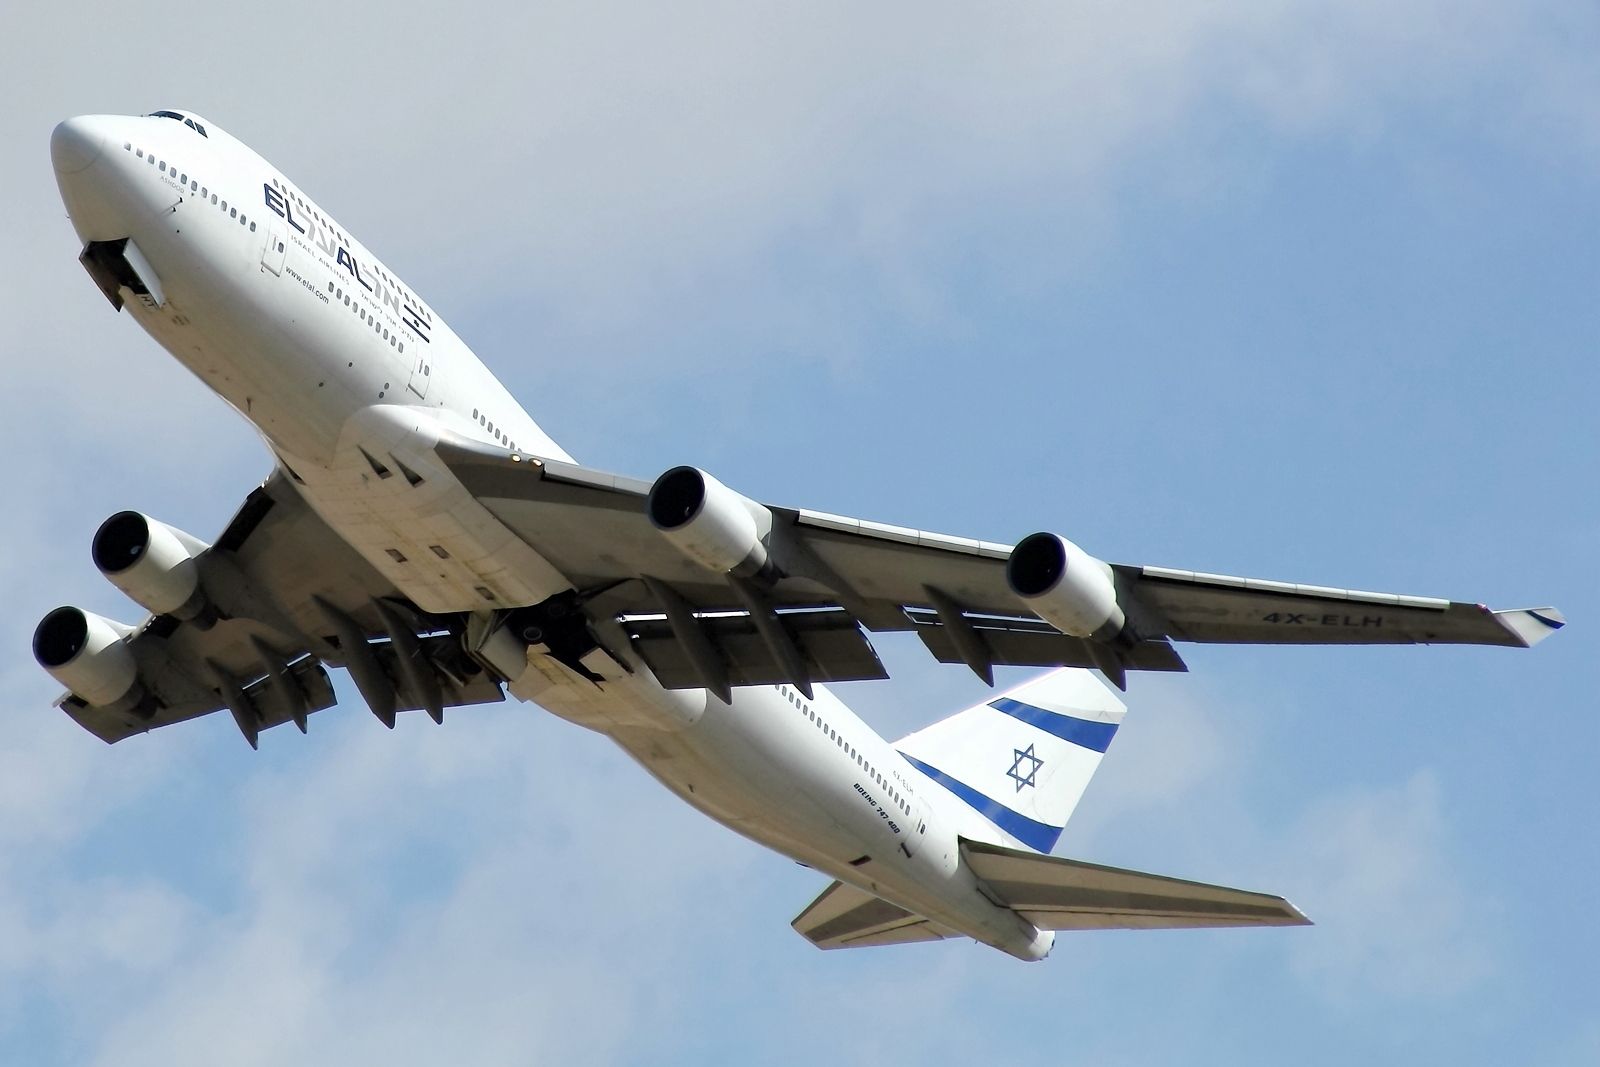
{"points": [[272, 254], [421, 372], [916, 829]]}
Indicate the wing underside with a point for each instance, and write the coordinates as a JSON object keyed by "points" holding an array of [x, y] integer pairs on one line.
{"points": [[1062, 894], [842, 578], [295, 596]]}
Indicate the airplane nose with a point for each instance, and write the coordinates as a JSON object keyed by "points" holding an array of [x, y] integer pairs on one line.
{"points": [[75, 145]]}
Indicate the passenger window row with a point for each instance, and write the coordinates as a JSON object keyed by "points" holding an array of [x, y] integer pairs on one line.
{"points": [[192, 184], [311, 209], [372, 320], [805, 709], [499, 435]]}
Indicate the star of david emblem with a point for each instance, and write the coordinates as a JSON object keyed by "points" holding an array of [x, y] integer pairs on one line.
{"points": [[1025, 767]]}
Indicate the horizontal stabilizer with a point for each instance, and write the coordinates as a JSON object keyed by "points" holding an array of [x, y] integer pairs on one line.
{"points": [[847, 917], [1061, 894]]}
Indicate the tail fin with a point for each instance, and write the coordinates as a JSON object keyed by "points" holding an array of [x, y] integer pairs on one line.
{"points": [[1022, 760]]}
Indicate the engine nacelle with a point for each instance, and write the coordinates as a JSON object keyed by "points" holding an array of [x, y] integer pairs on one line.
{"points": [[708, 522], [153, 564], [87, 654], [1065, 586]]}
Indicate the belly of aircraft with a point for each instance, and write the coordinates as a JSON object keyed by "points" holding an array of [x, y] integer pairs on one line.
{"points": [[393, 500], [730, 788]]}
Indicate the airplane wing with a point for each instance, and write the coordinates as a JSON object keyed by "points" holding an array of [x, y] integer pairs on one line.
{"points": [[293, 596], [797, 619], [1062, 894], [1218, 608]]}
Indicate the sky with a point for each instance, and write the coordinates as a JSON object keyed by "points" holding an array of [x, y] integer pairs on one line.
{"points": [[1299, 290]]}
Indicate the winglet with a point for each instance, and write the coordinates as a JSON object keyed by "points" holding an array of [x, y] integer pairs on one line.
{"points": [[1531, 625]]}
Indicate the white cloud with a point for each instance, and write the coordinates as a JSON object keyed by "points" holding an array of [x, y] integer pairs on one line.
{"points": [[1171, 747], [596, 164], [420, 895], [682, 159], [1373, 865], [622, 179], [1378, 871]]}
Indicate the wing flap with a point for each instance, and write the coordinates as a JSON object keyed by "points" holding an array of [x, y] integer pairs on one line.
{"points": [[1018, 642], [179, 697], [831, 642], [274, 573], [457, 688], [1063, 894]]}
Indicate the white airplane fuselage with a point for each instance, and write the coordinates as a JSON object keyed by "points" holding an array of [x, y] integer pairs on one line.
{"points": [[297, 326]]}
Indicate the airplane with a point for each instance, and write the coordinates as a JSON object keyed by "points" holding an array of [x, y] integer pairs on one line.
{"points": [[419, 530]]}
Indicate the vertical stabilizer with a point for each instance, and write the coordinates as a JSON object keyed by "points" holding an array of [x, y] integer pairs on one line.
{"points": [[1022, 759]]}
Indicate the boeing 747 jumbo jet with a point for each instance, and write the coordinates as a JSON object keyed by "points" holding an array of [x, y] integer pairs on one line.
{"points": [[420, 531]]}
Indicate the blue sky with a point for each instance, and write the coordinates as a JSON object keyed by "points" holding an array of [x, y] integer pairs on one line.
{"points": [[1297, 290]]}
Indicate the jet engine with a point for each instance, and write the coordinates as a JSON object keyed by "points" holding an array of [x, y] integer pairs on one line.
{"points": [[1065, 586], [87, 654], [154, 565], [708, 522]]}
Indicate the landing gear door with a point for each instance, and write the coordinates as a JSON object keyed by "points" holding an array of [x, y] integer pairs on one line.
{"points": [[421, 373], [272, 254]]}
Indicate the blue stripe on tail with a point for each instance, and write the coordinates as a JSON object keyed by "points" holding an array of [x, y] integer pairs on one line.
{"points": [[1091, 735], [1038, 836]]}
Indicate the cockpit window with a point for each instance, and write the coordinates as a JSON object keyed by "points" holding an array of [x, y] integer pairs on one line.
{"points": [[191, 123]]}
